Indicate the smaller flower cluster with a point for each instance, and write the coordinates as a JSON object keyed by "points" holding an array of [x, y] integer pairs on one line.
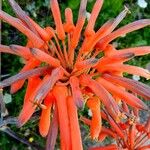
{"points": [[130, 134]]}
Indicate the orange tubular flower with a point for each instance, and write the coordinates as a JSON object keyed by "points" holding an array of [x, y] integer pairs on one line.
{"points": [[73, 74], [96, 124]]}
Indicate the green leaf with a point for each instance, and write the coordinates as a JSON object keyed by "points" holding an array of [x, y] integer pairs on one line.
{"points": [[114, 6], [140, 43], [73, 4]]}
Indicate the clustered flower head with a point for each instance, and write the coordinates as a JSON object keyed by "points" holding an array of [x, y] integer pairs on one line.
{"points": [[130, 134], [73, 65]]}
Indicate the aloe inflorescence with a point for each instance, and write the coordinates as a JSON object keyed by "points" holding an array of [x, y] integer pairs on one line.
{"points": [[81, 67]]}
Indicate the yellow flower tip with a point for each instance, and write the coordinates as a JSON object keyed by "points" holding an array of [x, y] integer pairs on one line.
{"points": [[95, 139], [31, 139], [123, 116], [148, 77], [85, 97], [132, 120], [147, 71], [120, 117], [119, 102], [1, 90], [42, 106], [127, 9], [39, 104]]}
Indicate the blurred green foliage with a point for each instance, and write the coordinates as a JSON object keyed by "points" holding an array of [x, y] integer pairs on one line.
{"points": [[40, 11]]}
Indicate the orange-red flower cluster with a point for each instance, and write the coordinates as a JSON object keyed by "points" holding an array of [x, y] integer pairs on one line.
{"points": [[81, 67], [129, 135]]}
